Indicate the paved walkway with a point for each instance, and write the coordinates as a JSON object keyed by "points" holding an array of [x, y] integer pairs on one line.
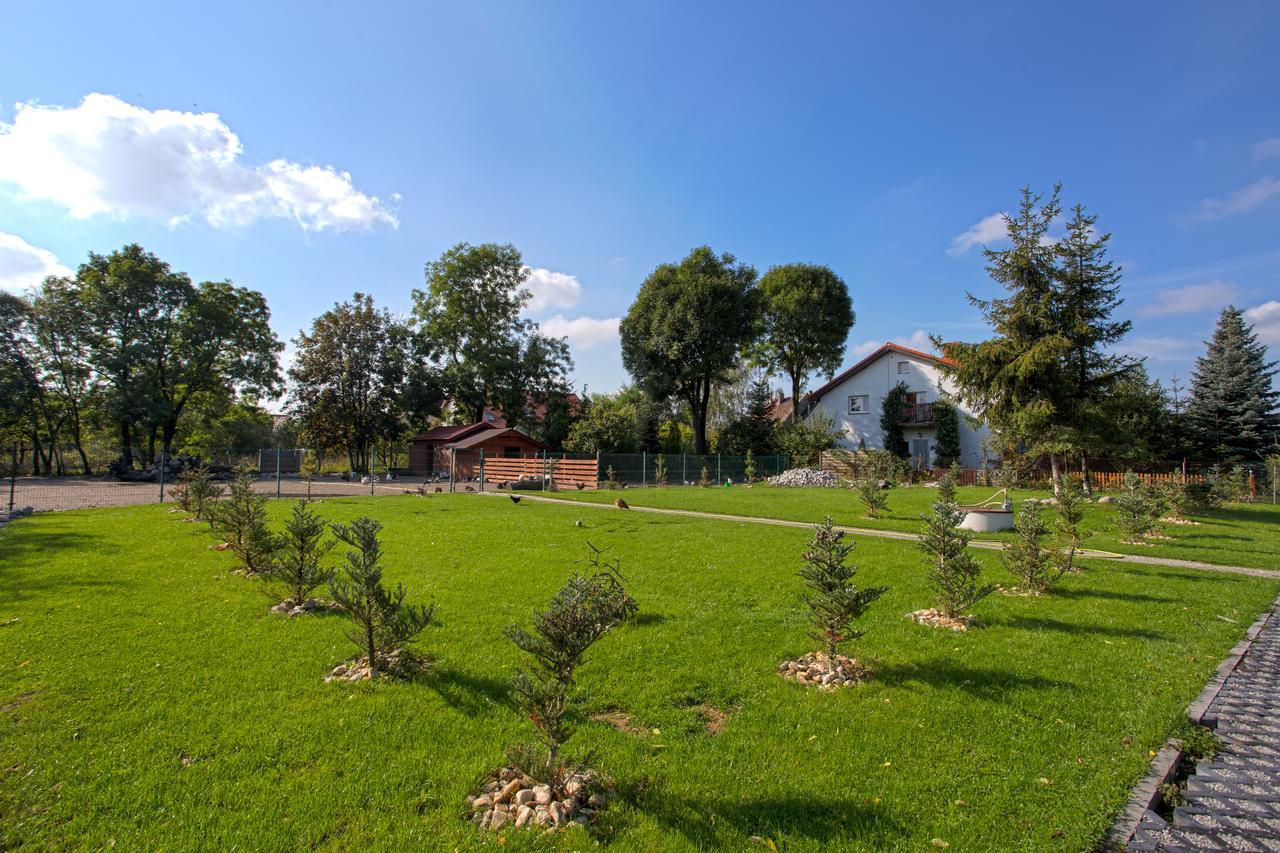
{"points": [[985, 545], [1233, 799]]}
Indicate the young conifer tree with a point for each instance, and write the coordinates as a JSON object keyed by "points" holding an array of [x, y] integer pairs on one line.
{"points": [[1135, 515], [749, 467], [298, 567], [953, 571], [384, 622], [241, 519], [582, 612], [660, 470], [834, 601], [1068, 533], [873, 497], [1025, 557]]}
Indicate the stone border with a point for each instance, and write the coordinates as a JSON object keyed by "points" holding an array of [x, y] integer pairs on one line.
{"points": [[1165, 764]]}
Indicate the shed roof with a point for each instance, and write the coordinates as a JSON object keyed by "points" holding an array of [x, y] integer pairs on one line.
{"points": [[484, 436], [452, 433]]}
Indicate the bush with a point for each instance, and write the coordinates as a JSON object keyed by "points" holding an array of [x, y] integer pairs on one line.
{"points": [[384, 622], [804, 441], [660, 470], [946, 424], [704, 479], [749, 468], [241, 519], [834, 601], [297, 569], [1069, 536], [197, 491], [582, 612], [953, 571], [873, 497]]}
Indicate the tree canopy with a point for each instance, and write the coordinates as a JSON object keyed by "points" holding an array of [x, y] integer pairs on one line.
{"points": [[687, 328], [1233, 412]]}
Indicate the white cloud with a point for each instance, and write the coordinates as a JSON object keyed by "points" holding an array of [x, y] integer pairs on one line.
{"points": [[109, 157], [584, 333], [1266, 148], [23, 265], [1191, 299], [1160, 348], [1241, 201], [988, 230], [918, 340], [1265, 319], [551, 290]]}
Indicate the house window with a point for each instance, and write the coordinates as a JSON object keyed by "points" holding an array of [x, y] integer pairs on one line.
{"points": [[857, 404], [904, 367]]}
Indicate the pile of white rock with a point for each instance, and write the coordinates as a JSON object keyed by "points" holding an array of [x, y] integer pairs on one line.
{"points": [[398, 663], [511, 798], [311, 605], [818, 669], [805, 477]]}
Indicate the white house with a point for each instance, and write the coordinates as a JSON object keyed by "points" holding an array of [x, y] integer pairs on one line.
{"points": [[855, 399]]}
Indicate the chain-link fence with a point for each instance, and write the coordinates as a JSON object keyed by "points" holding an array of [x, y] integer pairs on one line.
{"points": [[301, 473]]}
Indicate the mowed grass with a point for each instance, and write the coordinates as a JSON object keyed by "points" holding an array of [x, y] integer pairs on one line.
{"points": [[1235, 535], [150, 701]]}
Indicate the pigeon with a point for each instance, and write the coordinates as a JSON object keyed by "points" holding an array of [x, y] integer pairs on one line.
{"points": [[469, 489], [515, 499], [621, 504], [581, 486], [579, 523], [438, 490]]}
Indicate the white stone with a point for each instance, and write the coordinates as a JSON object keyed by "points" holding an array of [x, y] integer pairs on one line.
{"points": [[542, 794]]}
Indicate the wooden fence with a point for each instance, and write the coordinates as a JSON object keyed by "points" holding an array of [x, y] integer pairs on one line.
{"points": [[565, 473]]}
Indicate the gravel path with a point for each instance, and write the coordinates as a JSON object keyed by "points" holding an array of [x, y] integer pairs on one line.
{"points": [[1233, 799]]}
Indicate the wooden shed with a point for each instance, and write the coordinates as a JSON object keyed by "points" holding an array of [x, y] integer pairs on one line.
{"points": [[433, 451]]}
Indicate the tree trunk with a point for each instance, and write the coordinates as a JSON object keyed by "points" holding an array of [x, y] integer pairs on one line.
{"points": [[372, 650], [78, 440], [126, 444], [1055, 474], [701, 397], [1086, 484], [795, 398]]}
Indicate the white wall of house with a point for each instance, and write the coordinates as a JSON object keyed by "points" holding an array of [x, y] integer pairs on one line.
{"points": [[871, 384]]}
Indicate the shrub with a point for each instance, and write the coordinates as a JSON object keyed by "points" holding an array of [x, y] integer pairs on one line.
{"points": [[297, 569], [611, 479], [946, 424], [197, 491], [309, 468], [953, 571], [703, 479], [582, 612], [660, 470], [1135, 513], [1025, 557], [873, 497], [891, 412], [805, 440], [1176, 497], [384, 622], [834, 601], [749, 467], [241, 519]]}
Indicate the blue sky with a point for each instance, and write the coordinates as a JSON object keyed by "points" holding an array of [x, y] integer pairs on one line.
{"points": [[312, 149]]}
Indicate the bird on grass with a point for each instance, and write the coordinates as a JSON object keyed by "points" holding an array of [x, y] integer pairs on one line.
{"points": [[581, 486], [469, 489], [579, 523], [621, 504], [438, 490], [515, 499]]}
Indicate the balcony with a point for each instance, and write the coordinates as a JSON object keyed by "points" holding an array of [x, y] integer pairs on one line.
{"points": [[918, 415]]}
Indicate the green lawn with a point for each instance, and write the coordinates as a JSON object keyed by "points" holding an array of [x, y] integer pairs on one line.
{"points": [[1236, 535], [150, 701]]}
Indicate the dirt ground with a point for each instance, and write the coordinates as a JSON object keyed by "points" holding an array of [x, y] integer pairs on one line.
{"points": [[45, 494]]}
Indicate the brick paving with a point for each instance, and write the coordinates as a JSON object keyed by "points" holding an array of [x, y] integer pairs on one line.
{"points": [[1233, 798]]}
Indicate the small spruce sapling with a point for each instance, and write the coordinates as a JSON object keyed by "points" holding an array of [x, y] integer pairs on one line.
{"points": [[384, 622], [749, 467], [873, 497], [1135, 515], [1070, 514], [834, 601], [660, 470], [582, 612], [241, 519], [703, 479], [953, 571], [1177, 499], [298, 569], [309, 468], [199, 491], [1025, 557]]}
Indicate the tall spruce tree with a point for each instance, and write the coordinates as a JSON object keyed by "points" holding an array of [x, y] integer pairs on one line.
{"points": [[1232, 413], [1087, 295]]}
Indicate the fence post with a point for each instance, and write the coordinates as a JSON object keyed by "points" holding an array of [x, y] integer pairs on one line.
{"points": [[371, 470], [644, 468], [277, 472], [719, 479], [160, 472], [597, 485], [684, 469], [482, 469], [13, 475], [453, 467]]}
